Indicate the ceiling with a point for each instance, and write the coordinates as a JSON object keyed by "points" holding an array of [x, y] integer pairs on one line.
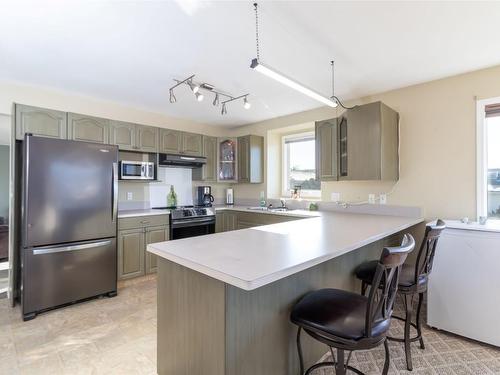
{"points": [[129, 52]]}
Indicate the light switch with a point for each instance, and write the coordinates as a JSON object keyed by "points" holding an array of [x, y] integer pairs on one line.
{"points": [[130, 196], [383, 198], [371, 198]]}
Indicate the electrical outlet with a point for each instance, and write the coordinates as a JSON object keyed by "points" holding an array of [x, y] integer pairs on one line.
{"points": [[383, 198], [371, 198], [335, 197], [130, 196]]}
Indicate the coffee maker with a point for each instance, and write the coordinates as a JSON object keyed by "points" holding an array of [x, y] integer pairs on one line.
{"points": [[204, 196]]}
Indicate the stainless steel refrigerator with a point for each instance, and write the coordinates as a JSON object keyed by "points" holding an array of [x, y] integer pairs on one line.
{"points": [[69, 207]]}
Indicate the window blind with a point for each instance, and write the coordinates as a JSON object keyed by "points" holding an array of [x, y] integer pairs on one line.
{"points": [[302, 139], [492, 110]]}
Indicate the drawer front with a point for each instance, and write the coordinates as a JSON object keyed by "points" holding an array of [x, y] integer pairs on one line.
{"points": [[142, 221]]}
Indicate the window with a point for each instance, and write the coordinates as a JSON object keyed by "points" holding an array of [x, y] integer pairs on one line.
{"points": [[299, 165], [488, 135]]}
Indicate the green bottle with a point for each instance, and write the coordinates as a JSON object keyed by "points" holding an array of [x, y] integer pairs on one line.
{"points": [[172, 197]]}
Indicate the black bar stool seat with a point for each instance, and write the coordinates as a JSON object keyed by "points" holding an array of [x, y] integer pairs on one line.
{"points": [[348, 321], [337, 313]]}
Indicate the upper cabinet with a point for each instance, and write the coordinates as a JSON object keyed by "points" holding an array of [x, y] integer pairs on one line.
{"points": [[133, 137], [360, 145], [227, 160], [209, 171], [251, 159], [327, 150], [170, 141], [123, 135], [192, 144], [87, 128], [147, 138], [177, 142], [39, 121]]}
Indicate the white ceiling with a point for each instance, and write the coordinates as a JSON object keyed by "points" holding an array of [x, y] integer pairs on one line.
{"points": [[129, 52]]}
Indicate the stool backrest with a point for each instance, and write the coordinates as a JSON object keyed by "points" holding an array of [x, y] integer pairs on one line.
{"points": [[381, 300], [425, 257]]}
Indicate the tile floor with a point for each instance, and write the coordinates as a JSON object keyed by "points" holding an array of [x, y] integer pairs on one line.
{"points": [[118, 336]]}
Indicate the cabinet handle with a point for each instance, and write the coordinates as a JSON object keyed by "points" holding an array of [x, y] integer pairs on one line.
{"points": [[144, 222]]}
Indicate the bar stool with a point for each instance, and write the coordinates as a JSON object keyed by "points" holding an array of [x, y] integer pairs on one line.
{"points": [[412, 281], [349, 321]]}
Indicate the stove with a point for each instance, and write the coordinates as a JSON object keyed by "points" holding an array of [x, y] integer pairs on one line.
{"points": [[190, 221], [183, 212]]}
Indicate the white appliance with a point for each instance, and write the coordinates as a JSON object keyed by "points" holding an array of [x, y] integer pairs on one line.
{"points": [[463, 295], [229, 196]]}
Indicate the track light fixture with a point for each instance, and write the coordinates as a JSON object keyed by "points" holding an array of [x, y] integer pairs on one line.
{"points": [[173, 99], [246, 103], [199, 96], [197, 88], [194, 88]]}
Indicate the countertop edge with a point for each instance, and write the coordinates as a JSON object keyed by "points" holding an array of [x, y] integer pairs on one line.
{"points": [[257, 283]]}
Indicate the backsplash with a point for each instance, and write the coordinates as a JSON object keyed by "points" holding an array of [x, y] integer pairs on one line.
{"points": [[180, 178]]}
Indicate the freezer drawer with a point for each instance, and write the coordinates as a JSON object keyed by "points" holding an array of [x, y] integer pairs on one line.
{"points": [[57, 275]]}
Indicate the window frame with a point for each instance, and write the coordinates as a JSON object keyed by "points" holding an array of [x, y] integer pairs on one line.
{"points": [[482, 157], [314, 194]]}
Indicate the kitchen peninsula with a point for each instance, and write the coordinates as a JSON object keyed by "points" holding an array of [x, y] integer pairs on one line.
{"points": [[224, 299]]}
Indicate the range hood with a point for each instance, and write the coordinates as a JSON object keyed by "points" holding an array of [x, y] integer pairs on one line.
{"points": [[181, 161]]}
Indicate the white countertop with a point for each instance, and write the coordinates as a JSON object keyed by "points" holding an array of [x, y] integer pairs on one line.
{"points": [[251, 258], [144, 212], [298, 213], [490, 226]]}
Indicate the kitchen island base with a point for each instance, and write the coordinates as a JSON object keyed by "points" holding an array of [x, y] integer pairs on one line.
{"points": [[208, 327]]}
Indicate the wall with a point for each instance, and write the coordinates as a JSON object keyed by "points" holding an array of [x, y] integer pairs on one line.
{"points": [[437, 144]]}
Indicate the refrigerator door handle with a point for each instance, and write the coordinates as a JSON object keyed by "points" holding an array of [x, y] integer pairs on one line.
{"points": [[114, 192], [50, 250]]}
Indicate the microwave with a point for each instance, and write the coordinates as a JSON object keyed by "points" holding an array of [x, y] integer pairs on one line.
{"points": [[137, 170]]}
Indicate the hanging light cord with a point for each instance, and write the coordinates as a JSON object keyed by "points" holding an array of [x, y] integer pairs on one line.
{"points": [[257, 29], [333, 88]]}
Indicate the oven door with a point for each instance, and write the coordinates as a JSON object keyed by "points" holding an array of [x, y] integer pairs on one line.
{"points": [[192, 227]]}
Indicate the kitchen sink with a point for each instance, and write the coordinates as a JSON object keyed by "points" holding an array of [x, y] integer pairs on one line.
{"points": [[274, 209]]}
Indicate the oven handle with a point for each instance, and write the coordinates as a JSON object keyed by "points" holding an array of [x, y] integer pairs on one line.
{"points": [[192, 222]]}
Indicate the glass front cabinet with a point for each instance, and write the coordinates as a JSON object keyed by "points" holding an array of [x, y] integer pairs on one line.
{"points": [[227, 160]]}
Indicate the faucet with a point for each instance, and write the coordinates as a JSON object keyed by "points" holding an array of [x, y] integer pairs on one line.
{"points": [[283, 203]]}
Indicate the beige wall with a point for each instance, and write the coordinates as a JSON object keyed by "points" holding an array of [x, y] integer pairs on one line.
{"points": [[437, 141]]}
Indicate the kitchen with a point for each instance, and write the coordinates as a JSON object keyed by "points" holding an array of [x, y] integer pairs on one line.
{"points": [[148, 198]]}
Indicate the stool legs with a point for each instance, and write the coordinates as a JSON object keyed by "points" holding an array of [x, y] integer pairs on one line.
{"points": [[408, 299], [299, 349], [419, 320], [387, 358]]}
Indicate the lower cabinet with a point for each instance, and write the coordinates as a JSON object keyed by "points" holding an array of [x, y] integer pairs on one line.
{"points": [[232, 220], [133, 259]]}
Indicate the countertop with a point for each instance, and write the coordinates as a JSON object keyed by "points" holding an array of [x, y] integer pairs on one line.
{"points": [[146, 212], [251, 258], [490, 226], [298, 213]]}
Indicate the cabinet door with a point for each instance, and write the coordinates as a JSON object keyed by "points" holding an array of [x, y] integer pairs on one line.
{"points": [[87, 128], [40, 121], [154, 234], [219, 222], [227, 160], [123, 135], [147, 138], [192, 144], [209, 170], [326, 150], [130, 253], [230, 220], [170, 141], [244, 159]]}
